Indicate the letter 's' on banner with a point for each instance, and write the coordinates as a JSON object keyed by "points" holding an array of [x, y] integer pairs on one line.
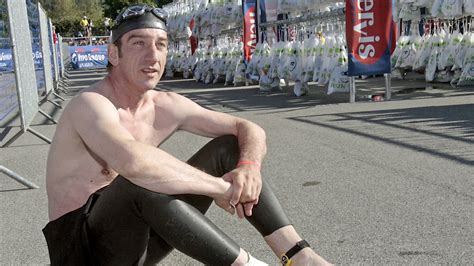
{"points": [[368, 33], [250, 28]]}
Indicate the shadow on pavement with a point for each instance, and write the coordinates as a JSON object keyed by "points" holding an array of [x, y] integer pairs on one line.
{"points": [[443, 131]]}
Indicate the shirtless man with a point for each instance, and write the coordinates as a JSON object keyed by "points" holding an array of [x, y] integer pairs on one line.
{"points": [[115, 196]]}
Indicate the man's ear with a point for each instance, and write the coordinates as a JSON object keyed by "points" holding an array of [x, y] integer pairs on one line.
{"points": [[113, 54]]}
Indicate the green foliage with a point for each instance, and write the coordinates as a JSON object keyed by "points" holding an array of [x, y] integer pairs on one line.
{"points": [[66, 14], [113, 7]]}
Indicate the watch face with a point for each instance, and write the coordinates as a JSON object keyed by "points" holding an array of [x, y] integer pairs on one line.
{"points": [[284, 260]]}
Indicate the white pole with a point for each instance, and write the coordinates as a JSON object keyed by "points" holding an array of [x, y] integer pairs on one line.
{"points": [[388, 86], [352, 89]]}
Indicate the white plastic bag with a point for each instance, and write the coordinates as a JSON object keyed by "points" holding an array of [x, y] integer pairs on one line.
{"points": [[339, 81], [467, 75], [452, 8], [468, 7], [318, 61], [433, 60], [423, 55], [301, 88]]}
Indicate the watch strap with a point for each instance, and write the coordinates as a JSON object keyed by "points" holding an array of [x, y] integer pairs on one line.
{"points": [[286, 258]]}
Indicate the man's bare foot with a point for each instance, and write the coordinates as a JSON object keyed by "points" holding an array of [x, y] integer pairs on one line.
{"points": [[307, 257]]}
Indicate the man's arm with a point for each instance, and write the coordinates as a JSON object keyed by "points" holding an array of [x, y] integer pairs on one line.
{"points": [[246, 178], [97, 122]]}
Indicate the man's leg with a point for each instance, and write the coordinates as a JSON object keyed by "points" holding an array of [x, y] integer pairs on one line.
{"points": [[220, 156], [124, 213]]}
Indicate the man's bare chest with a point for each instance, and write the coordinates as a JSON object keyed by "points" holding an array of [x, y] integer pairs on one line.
{"points": [[152, 132]]}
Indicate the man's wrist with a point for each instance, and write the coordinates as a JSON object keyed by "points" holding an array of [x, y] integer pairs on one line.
{"points": [[248, 162], [220, 188]]}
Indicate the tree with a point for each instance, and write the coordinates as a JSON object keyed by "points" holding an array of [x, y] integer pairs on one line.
{"points": [[113, 7], [64, 16]]}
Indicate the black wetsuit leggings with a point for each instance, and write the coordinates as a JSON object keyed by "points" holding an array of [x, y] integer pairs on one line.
{"points": [[126, 219]]}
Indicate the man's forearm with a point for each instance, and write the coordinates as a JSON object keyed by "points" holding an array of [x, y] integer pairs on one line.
{"points": [[158, 171], [252, 141]]}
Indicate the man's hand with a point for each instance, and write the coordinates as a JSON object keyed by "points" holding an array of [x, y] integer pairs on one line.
{"points": [[223, 200], [247, 184]]}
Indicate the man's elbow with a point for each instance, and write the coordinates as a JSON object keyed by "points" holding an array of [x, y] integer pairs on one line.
{"points": [[130, 166]]}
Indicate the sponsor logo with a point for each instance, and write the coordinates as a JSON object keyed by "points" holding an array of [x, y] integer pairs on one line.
{"points": [[250, 36], [371, 23], [5, 57]]}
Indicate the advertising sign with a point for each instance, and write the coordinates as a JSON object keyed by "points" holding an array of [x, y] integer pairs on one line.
{"points": [[250, 28], [91, 56], [368, 33]]}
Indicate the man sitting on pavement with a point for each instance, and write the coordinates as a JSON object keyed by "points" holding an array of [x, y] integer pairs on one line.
{"points": [[115, 196]]}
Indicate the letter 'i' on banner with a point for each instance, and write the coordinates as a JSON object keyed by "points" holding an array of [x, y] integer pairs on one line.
{"points": [[250, 28], [369, 32]]}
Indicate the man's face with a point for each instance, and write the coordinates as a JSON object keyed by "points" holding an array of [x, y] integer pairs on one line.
{"points": [[142, 57]]}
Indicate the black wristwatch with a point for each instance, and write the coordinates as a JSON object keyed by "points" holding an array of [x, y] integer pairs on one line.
{"points": [[285, 259]]}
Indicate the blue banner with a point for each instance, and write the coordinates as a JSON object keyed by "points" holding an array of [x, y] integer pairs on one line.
{"points": [[8, 96], [6, 59], [88, 56]]}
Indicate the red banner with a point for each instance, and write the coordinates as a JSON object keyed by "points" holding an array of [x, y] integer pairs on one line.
{"points": [[250, 28], [369, 36]]}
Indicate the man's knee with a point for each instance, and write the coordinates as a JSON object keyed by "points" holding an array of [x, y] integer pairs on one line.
{"points": [[225, 144]]}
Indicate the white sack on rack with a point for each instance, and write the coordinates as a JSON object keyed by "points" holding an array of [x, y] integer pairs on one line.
{"points": [[263, 63], [301, 88], [467, 76], [339, 81], [468, 7], [423, 3], [239, 75], [452, 8], [251, 69], [318, 61], [285, 6], [409, 12], [312, 45], [433, 60], [436, 8], [275, 57], [446, 59], [423, 55], [401, 42], [294, 67], [405, 51], [461, 50], [286, 50], [329, 60]]}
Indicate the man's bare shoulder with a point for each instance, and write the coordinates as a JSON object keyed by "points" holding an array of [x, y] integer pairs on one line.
{"points": [[93, 96], [169, 99]]}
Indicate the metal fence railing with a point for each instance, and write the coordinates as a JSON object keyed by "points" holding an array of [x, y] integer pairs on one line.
{"points": [[30, 69]]}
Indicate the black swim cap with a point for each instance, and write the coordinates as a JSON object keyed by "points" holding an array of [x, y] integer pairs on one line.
{"points": [[138, 17]]}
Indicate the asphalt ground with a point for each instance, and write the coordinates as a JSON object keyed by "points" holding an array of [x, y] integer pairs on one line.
{"points": [[369, 183]]}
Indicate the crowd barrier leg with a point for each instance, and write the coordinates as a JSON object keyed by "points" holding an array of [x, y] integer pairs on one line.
{"points": [[17, 177], [59, 96], [47, 116], [39, 135], [12, 139], [32, 131], [55, 104]]}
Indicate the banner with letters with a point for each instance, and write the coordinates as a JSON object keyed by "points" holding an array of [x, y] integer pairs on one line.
{"points": [[6, 59], [91, 56], [250, 28], [369, 29]]}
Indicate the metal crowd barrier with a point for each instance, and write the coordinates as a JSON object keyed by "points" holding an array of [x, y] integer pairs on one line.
{"points": [[23, 76]]}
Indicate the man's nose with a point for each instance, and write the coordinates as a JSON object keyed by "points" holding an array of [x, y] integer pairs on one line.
{"points": [[153, 53]]}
